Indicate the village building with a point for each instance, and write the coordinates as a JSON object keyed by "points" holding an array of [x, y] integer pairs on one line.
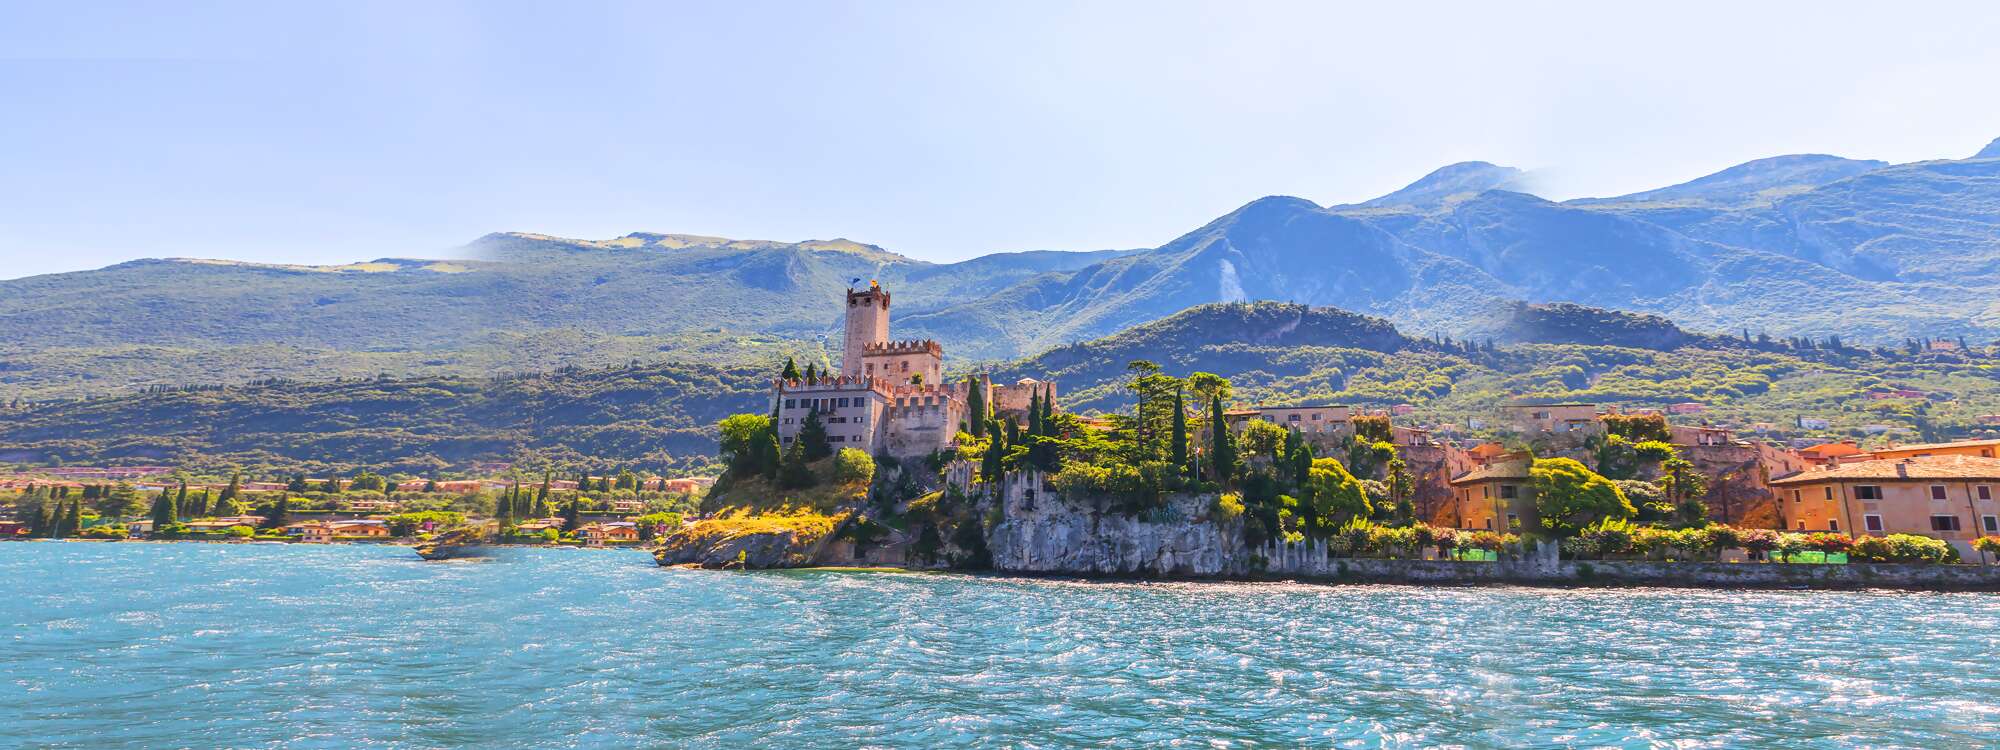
{"points": [[599, 534], [1311, 419], [1496, 497], [1977, 448], [362, 527], [1553, 418], [889, 397], [1831, 454], [1949, 497]]}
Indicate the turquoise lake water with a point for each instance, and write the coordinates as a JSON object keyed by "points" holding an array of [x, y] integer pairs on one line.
{"points": [[202, 645]]}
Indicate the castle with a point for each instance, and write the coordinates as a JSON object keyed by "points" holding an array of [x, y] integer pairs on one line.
{"points": [[889, 397]]}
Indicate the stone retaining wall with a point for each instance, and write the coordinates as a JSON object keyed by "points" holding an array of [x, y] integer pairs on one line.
{"points": [[1643, 573]]}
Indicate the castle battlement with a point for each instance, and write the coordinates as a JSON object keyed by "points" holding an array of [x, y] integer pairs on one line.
{"points": [[890, 348], [839, 383]]}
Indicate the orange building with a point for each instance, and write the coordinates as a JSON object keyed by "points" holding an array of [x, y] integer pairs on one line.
{"points": [[1496, 497], [1949, 497], [1828, 454]]}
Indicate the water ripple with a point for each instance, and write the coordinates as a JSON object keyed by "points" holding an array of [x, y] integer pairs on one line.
{"points": [[145, 646]]}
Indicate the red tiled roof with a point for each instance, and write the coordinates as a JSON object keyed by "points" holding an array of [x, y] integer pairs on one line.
{"points": [[1915, 469]]}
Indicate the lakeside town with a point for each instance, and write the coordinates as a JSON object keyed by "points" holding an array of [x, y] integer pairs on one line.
{"points": [[842, 450]]}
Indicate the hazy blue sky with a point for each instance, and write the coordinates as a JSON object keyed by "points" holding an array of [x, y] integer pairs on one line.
{"points": [[273, 131]]}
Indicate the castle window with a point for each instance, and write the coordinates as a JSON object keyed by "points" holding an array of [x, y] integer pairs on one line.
{"points": [[791, 403], [871, 368], [906, 365]]}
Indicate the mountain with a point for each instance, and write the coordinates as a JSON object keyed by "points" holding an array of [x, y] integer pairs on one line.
{"points": [[1757, 181], [1992, 151], [1802, 245], [1452, 181], [661, 416]]}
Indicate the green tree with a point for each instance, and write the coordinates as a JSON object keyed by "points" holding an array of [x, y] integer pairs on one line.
{"points": [[573, 515], [230, 494], [180, 501], [976, 412], [75, 521], [1222, 461], [1401, 485], [163, 511], [812, 435], [1208, 386], [854, 466], [1179, 441], [1569, 496], [791, 370], [1683, 487], [992, 464], [280, 513], [1334, 495], [795, 473]]}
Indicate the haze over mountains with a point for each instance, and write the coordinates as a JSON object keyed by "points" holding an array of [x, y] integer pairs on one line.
{"points": [[1791, 245]]}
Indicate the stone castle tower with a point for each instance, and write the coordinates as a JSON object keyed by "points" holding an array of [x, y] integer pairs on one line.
{"points": [[867, 324]]}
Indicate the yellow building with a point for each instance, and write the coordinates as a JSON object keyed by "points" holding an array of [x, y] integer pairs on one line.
{"points": [[1497, 497], [1949, 497], [1979, 448]]}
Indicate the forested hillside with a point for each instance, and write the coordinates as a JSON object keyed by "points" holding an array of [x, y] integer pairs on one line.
{"points": [[1800, 245], [661, 417]]}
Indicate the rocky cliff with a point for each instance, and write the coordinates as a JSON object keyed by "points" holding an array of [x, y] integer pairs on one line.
{"points": [[1043, 532]]}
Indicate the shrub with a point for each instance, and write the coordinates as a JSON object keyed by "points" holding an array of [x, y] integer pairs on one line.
{"points": [[240, 532], [1759, 541], [1608, 537], [1829, 542], [1790, 545], [854, 466], [1654, 450], [1446, 539], [1987, 544], [1228, 506], [1722, 538], [106, 531], [1903, 548]]}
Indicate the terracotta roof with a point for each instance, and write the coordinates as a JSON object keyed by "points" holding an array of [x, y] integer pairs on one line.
{"points": [[1936, 446], [1919, 468], [1503, 470]]}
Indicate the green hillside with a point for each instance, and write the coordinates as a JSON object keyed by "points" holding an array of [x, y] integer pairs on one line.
{"points": [[660, 417]]}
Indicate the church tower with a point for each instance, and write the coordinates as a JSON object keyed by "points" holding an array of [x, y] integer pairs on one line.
{"points": [[867, 323]]}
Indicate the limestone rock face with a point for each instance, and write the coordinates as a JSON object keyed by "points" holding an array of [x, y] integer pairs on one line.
{"points": [[1047, 533], [771, 549]]}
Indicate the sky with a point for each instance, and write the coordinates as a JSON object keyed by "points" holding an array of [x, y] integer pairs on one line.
{"points": [[343, 131]]}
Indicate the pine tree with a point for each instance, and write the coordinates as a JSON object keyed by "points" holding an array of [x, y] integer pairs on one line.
{"points": [[1222, 445], [235, 487], [975, 406], [791, 370], [812, 434], [1179, 457], [794, 473], [281, 512], [573, 515]]}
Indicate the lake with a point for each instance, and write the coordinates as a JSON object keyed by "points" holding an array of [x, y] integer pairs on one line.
{"points": [[207, 645]]}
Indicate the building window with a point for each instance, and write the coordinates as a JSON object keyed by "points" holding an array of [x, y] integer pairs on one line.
{"points": [[906, 365], [1315, 417], [1508, 491], [1802, 526], [791, 403], [1489, 524], [1796, 497], [1513, 522], [1832, 525], [1992, 524], [1937, 492], [1867, 492], [1985, 492], [1944, 523], [1872, 522], [1829, 492], [788, 420], [1292, 418], [788, 441]]}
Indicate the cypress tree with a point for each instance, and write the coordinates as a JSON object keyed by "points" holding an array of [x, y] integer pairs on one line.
{"points": [[1034, 414], [811, 373], [1180, 436], [975, 406], [791, 370], [181, 500], [430, 485], [75, 522], [573, 515], [235, 487], [163, 513], [768, 453], [298, 484], [990, 465], [1222, 444]]}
